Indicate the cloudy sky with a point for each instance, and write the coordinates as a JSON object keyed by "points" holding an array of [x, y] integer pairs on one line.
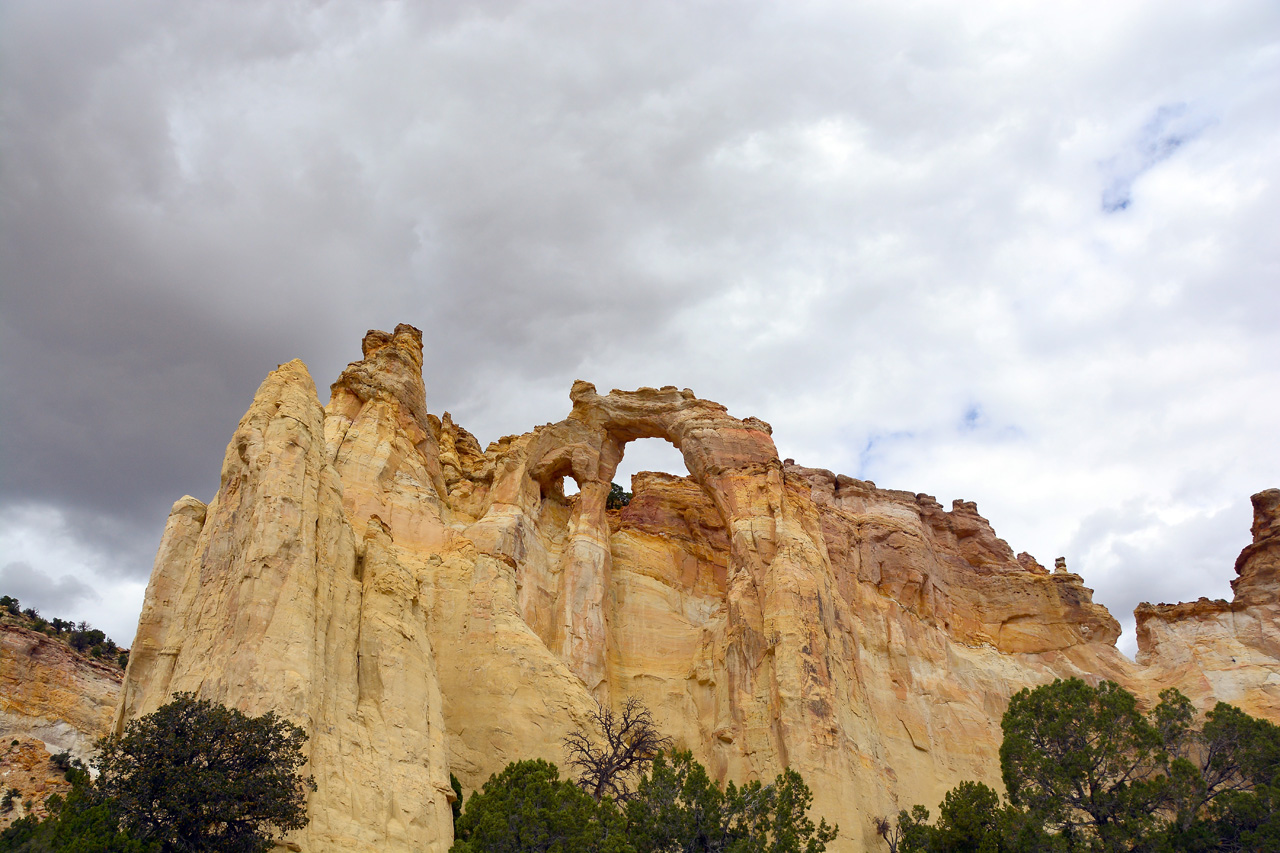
{"points": [[1018, 253]]}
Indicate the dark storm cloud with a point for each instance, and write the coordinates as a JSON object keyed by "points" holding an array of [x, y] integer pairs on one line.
{"points": [[859, 222]]}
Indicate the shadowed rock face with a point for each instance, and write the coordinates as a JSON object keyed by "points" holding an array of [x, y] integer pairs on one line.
{"points": [[422, 605]]}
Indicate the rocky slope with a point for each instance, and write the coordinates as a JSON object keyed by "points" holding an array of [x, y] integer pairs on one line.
{"points": [[26, 770], [52, 700], [422, 605], [51, 694]]}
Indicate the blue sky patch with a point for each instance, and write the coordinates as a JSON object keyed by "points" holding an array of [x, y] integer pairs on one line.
{"points": [[1171, 127]]}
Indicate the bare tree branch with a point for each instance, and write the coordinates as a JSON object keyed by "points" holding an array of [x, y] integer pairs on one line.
{"points": [[889, 831], [630, 742]]}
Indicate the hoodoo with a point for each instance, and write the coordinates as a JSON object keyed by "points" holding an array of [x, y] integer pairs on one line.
{"points": [[422, 605]]}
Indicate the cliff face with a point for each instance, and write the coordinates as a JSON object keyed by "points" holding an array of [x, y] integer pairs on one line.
{"points": [[421, 606], [26, 767], [270, 598], [51, 700], [49, 693]]}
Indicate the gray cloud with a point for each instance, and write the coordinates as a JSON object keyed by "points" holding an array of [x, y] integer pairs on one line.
{"points": [[31, 586], [74, 567], [1140, 556], [874, 227]]}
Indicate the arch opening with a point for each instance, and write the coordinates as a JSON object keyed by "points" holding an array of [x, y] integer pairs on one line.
{"points": [[562, 488], [569, 487], [649, 454], [557, 480]]}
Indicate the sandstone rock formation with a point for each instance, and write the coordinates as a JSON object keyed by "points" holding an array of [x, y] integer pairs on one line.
{"points": [[269, 599], [422, 605], [52, 700], [50, 694]]}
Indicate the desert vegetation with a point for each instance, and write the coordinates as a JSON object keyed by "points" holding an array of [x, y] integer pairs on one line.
{"points": [[618, 497], [631, 793], [1085, 770], [81, 636], [193, 776]]}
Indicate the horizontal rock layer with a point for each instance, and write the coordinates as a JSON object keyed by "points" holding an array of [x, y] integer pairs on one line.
{"points": [[422, 605]]}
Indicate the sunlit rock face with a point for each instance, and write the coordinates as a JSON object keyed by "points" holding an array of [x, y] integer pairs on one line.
{"points": [[422, 605], [270, 598]]}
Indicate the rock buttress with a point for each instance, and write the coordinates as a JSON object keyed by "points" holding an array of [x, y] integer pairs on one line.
{"points": [[266, 601]]}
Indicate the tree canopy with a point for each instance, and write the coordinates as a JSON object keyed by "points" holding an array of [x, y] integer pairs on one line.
{"points": [[192, 776], [1082, 760], [528, 808], [676, 808], [680, 809], [195, 775], [1085, 770], [82, 822], [618, 497]]}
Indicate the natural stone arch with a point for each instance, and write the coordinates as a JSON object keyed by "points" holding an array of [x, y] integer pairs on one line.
{"points": [[734, 462], [713, 443], [576, 461]]}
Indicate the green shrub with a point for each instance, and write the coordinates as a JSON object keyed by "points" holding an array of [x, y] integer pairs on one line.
{"points": [[197, 775], [528, 808], [1084, 769], [617, 497], [679, 807]]}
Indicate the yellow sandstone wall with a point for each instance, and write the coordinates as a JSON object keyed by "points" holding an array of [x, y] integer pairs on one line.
{"points": [[421, 605]]}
